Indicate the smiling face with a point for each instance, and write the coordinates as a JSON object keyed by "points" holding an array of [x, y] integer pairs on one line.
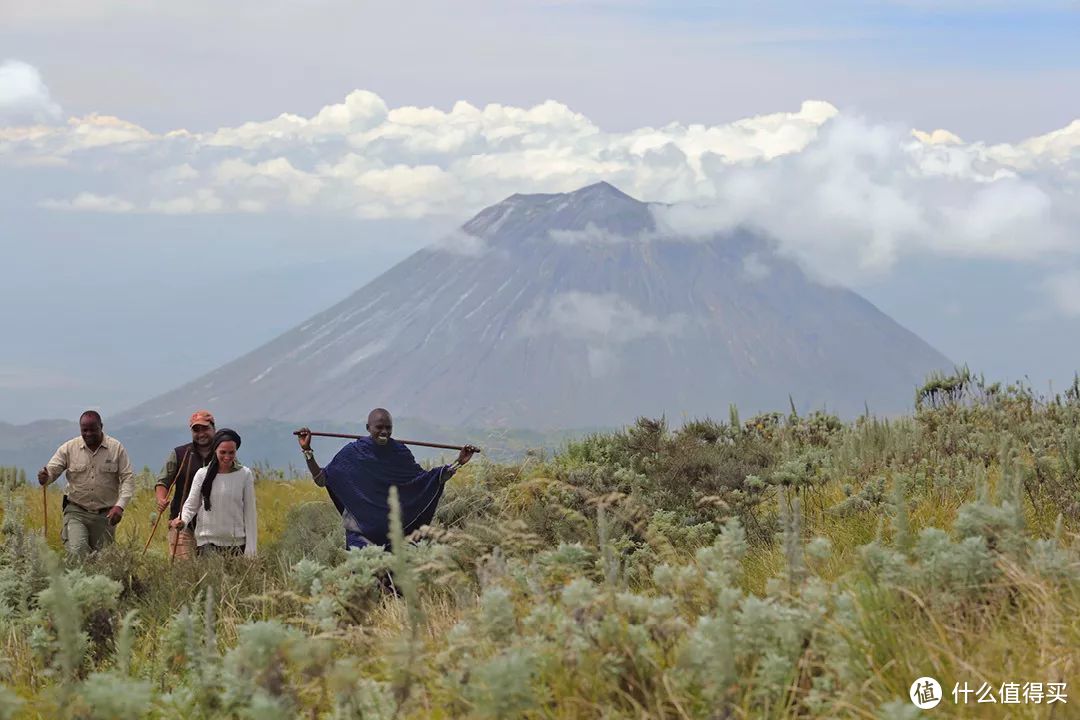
{"points": [[202, 436], [226, 454], [91, 430], [380, 426]]}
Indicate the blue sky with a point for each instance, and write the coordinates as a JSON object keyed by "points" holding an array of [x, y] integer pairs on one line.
{"points": [[964, 242], [976, 35]]}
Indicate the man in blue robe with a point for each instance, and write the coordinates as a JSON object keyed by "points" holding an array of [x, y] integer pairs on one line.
{"points": [[360, 476]]}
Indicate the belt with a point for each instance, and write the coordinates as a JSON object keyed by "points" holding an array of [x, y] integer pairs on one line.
{"points": [[67, 502]]}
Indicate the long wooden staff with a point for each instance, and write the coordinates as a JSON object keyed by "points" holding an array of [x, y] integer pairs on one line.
{"points": [[407, 442], [45, 510], [172, 488]]}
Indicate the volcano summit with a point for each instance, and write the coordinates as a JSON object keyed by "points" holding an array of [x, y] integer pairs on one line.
{"points": [[573, 310]]}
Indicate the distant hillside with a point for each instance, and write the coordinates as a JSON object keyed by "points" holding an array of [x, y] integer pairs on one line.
{"points": [[266, 442]]}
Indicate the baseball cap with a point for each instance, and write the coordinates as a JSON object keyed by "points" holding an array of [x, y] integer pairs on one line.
{"points": [[201, 417]]}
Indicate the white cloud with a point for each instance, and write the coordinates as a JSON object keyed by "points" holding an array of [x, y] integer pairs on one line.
{"points": [[754, 268], [937, 137], [603, 321], [89, 202], [603, 317], [863, 195], [846, 196], [23, 95], [177, 174], [460, 242], [364, 158], [202, 202], [591, 235]]}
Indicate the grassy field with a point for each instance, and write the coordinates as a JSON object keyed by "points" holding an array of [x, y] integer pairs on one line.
{"points": [[778, 567]]}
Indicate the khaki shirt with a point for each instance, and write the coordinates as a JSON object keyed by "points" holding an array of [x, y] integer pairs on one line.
{"points": [[96, 480]]}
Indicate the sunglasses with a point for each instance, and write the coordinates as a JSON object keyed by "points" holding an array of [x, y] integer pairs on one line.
{"points": [[199, 428]]}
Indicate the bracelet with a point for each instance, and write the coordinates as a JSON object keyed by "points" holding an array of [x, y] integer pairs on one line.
{"points": [[309, 454]]}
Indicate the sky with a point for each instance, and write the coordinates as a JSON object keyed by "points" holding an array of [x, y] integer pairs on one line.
{"points": [[179, 184]]}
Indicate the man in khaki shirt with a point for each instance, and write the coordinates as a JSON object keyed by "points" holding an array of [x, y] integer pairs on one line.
{"points": [[100, 484]]}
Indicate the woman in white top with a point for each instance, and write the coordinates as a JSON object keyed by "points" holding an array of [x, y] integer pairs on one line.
{"points": [[222, 497]]}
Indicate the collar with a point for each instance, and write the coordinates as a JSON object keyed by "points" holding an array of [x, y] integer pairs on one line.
{"points": [[104, 443]]}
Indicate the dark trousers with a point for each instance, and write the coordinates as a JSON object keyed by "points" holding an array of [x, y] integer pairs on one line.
{"points": [[354, 539]]}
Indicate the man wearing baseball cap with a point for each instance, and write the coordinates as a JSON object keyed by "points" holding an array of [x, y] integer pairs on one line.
{"points": [[180, 467]]}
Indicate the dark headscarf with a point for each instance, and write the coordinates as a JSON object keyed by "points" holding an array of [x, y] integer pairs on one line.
{"points": [[222, 435]]}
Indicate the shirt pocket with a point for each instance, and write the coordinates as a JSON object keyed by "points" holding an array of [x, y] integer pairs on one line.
{"points": [[78, 468], [109, 466]]}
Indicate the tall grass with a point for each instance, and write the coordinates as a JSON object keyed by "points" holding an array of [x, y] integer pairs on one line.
{"points": [[780, 567]]}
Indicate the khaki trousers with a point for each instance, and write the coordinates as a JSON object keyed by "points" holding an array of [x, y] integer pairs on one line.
{"points": [[182, 547], [85, 531]]}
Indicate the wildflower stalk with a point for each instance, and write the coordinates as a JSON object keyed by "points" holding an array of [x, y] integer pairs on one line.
{"points": [[791, 516], [125, 641]]}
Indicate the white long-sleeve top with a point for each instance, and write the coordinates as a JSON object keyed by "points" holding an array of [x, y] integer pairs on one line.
{"points": [[231, 520]]}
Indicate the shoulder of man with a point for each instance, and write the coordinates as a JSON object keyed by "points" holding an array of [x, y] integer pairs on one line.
{"points": [[112, 443], [180, 452], [402, 449], [351, 453]]}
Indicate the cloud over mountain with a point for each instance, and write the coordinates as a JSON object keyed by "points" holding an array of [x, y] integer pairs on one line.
{"points": [[846, 195]]}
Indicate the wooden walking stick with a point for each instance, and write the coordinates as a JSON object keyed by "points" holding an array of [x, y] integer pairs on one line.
{"points": [[172, 488], [45, 511], [407, 442]]}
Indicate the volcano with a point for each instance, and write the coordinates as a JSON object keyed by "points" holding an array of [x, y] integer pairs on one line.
{"points": [[573, 310]]}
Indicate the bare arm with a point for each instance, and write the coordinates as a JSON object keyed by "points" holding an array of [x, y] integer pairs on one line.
{"points": [[317, 473]]}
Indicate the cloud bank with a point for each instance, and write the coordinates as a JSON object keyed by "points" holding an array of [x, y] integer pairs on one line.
{"points": [[847, 196]]}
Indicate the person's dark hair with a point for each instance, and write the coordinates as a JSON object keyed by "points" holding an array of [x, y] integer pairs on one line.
{"points": [[91, 413], [222, 435]]}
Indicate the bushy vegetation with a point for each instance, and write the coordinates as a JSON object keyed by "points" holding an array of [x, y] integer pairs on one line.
{"points": [[777, 567], [11, 478]]}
